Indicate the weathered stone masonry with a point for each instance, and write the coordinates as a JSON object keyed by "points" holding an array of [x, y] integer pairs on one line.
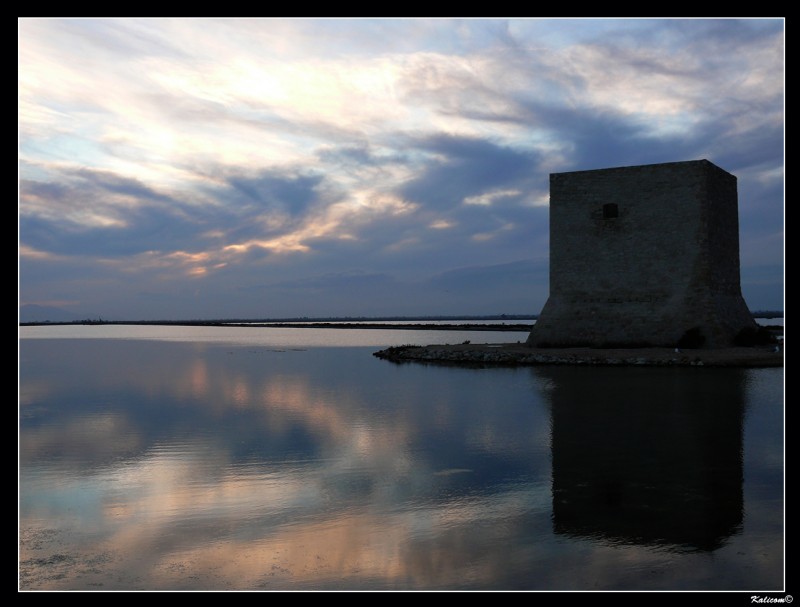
{"points": [[641, 254]]}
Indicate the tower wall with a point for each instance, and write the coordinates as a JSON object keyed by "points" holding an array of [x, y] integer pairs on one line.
{"points": [[639, 255]]}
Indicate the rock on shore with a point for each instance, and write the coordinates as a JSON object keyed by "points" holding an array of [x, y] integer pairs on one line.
{"points": [[522, 355]]}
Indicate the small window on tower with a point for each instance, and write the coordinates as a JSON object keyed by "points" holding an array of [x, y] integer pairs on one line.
{"points": [[610, 210]]}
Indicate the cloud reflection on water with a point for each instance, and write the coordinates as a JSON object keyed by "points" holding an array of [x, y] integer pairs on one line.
{"points": [[153, 465]]}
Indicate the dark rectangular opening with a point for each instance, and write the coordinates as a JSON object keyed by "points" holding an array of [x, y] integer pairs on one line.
{"points": [[610, 210]]}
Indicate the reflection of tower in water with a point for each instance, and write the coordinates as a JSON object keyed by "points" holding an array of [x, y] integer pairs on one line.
{"points": [[647, 456]]}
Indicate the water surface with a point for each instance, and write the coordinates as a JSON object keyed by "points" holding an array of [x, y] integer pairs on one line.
{"points": [[188, 464]]}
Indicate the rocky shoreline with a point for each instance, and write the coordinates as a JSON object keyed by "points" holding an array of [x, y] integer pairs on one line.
{"points": [[522, 355]]}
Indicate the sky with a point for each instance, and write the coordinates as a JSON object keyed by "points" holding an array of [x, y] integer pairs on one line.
{"points": [[281, 168]]}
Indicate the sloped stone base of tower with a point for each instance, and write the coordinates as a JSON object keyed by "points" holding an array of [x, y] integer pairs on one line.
{"points": [[618, 324]]}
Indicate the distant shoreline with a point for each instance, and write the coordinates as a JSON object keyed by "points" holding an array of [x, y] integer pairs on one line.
{"points": [[413, 326], [508, 322]]}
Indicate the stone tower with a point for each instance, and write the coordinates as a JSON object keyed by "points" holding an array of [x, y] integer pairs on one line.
{"points": [[640, 255]]}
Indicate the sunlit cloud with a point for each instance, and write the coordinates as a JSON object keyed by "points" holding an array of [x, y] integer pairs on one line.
{"points": [[484, 236], [337, 221], [490, 197], [31, 253], [441, 224]]}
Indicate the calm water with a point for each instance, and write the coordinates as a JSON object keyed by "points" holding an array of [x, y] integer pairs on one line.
{"points": [[292, 459]]}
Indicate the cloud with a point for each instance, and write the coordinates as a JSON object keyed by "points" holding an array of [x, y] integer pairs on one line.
{"points": [[87, 211], [107, 214], [460, 168], [238, 149]]}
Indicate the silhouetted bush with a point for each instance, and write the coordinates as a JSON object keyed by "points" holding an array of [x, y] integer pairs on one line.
{"points": [[692, 338], [754, 336]]}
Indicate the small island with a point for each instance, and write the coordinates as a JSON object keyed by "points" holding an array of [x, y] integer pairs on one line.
{"points": [[524, 355]]}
